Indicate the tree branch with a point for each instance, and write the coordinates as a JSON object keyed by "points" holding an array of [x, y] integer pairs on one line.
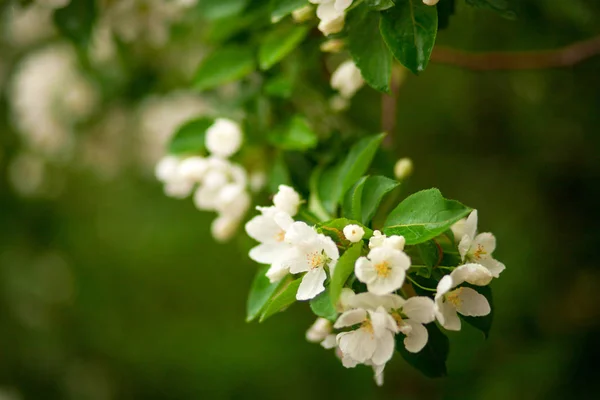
{"points": [[563, 57]]}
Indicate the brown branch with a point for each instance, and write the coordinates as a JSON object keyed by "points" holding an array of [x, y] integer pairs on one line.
{"points": [[563, 57]]}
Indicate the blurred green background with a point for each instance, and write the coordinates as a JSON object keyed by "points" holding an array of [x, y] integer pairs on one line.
{"points": [[111, 290]]}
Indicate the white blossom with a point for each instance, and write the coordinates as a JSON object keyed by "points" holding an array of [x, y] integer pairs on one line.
{"points": [[354, 233], [224, 227], [311, 253], [477, 248], [193, 168], [223, 138], [269, 229], [331, 14], [383, 270], [380, 240], [319, 331], [347, 79], [287, 200], [403, 168], [463, 300]]}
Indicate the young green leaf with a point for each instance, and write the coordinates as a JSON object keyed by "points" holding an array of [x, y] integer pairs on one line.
{"points": [[189, 138], [484, 324], [409, 29], [336, 180], [260, 293], [502, 7], [280, 175], [343, 269], [431, 361], [322, 306], [374, 191], [352, 204], [369, 51], [281, 8], [429, 253], [315, 203], [423, 216], [297, 135], [217, 9], [76, 21], [224, 65], [285, 297], [279, 43]]}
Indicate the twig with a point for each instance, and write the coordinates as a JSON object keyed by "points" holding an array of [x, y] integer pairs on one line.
{"points": [[563, 57]]}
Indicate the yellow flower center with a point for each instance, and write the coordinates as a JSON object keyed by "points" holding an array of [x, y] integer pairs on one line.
{"points": [[479, 252], [383, 269], [367, 326], [280, 236], [316, 259], [454, 297], [397, 317]]}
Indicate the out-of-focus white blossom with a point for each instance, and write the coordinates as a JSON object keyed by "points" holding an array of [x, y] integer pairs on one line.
{"points": [[403, 168], [302, 14], [347, 79], [28, 25], [331, 14], [48, 94], [319, 331], [223, 138], [394, 242], [332, 46], [287, 200], [354, 233]]}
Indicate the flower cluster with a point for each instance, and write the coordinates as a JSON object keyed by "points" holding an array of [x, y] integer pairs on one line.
{"points": [[219, 185], [380, 306]]}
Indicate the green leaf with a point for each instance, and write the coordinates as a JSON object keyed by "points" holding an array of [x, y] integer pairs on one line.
{"points": [[423, 216], [279, 86], [379, 4], [409, 29], [281, 8], [315, 203], [429, 253], [76, 21], [336, 180], [322, 306], [431, 361], [223, 66], [343, 269], [352, 205], [280, 175], [217, 9], [283, 299], [375, 190], [484, 324], [279, 43], [369, 51], [297, 135], [261, 292], [189, 138], [503, 7]]}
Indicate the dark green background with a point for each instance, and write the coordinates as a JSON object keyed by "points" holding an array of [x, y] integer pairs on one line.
{"points": [[157, 310]]}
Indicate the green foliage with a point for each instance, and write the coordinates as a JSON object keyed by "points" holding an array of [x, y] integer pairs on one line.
{"points": [[279, 43], [484, 324], [189, 138], [280, 175], [379, 4], [343, 269], [369, 51], [431, 360], [76, 21], [281, 8], [423, 216], [323, 307], [376, 188], [352, 204], [502, 7], [261, 292], [429, 253], [296, 135], [284, 297], [410, 29], [217, 9], [224, 65]]}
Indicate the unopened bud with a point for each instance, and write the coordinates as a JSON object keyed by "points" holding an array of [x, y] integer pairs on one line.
{"points": [[302, 14], [430, 2], [403, 168], [332, 46]]}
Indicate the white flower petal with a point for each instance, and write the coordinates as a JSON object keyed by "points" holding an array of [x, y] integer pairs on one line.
{"points": [[388, 284], [365, 270], [494, 266], [312, 284], [417, 338], [287, 200], [342, 5], [464, 246], [349, 362], [420, 309], [358, 344], [384, 350], [298, 232], [444, 285], [277, 272], [446, 314], [472, 303], [350, 318], [475, 274], [318, 331], [471, 224], [487, 241], [329, 342]]}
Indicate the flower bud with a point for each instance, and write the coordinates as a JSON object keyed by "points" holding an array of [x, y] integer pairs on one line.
{"points": [[302, 14], [223, 227], [376, 240], [166, 169], [223, 138], [403, 168], [331, 26], [354, 233], [395, 242], [193, 168], [319, 330], [430, 2], [338, 103], [178, 189], [332, 46], [347, 79], [287, 200]]}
